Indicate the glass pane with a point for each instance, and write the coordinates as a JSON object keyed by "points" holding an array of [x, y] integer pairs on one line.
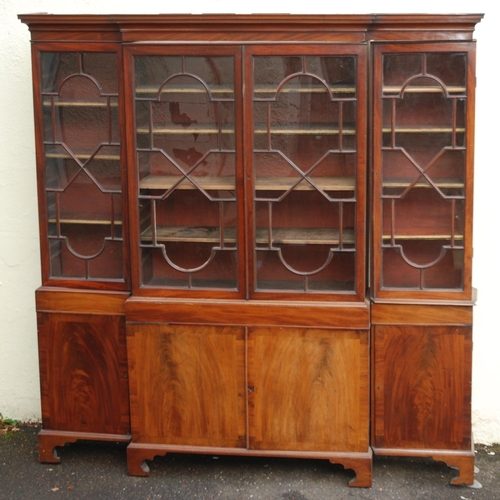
{"points": [[59, 66], [82, 165], [304, 162], [423, 188], [451, 69], [185, 113]]}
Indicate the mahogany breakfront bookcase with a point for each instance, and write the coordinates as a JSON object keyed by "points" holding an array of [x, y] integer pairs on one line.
{"points": [[256, 235]]}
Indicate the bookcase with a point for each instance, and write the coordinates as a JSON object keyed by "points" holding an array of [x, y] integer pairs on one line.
{"points": [[256, 235]]}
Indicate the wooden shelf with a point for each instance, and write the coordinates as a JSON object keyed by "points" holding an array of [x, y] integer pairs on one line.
{"points": [[304, 129], [227, 183], [209, 183], [91, 222], [324, 183], [258, 89], [81, 104], [197, 128], [422, 237], [315, 89], [423, 129], [83, 156], [334, 89], [441, 183], [305, 236], [288, 236], [189, 129], [183, 89], [424, 89], [198, 234]]}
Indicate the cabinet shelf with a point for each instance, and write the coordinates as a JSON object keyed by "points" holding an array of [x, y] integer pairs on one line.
{"points": [[422, 237], [81, 103], [424, 129], [198, 234], [209, 183], [440, 183], [184, 130], [424, 89], [258, 89], [324, 183], [287, 236], [92, 222], [183, 89], [83, 156], [303, 129], [314, 89], [305, 236], [227, 183]]}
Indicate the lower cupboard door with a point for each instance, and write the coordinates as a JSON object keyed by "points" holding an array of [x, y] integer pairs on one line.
{"points": [[187, 384], [83, 371], [422, 387], [308, 389]]}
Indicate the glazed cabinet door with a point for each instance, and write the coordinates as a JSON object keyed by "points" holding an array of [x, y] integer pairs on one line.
{"points": [[186, 187], [306, 163], [423, 165], [79, 156]]}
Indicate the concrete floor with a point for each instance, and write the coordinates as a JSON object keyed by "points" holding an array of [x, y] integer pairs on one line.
{"points": [[97, 470]]}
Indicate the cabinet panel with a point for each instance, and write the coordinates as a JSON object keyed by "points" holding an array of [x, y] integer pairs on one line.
{"points": [[424, 105], [187, 384], [83, 372], [80, 176], [422, 387], [307, 157], [308, 389]]}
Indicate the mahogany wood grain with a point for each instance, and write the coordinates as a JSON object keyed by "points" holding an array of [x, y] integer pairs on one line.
{"points": [[83, 367], [360, 463], [49, 440], [414, 314], [362, 466], [422, 389], [463, 463], [461, 460], [187, 385], [299, 397], [248, 313], [255, 27], [50, 299], [83, 372]]}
